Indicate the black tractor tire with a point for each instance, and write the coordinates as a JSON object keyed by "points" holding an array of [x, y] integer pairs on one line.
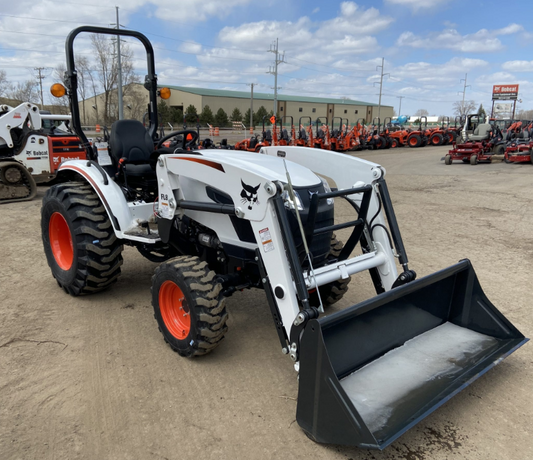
{"points": [[414, 141], [448, 159], [425, 141], [473, 160], [394, 143], [381, 143], [436, 139], [79, 241], [452, 137], [188, 306], [498, 149], [332, 292]]}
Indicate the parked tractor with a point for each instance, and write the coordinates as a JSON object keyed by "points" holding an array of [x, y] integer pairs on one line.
{"points": [[220, 221]]}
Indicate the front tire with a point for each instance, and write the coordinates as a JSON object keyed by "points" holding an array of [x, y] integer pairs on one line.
{"points": [[79, 241], [188, 306]]}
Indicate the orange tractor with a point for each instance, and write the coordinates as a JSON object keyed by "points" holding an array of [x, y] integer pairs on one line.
{"points": [[254, 144]]}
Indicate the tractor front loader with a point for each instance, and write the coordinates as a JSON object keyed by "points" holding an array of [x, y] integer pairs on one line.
{"points": [[222, 221]]}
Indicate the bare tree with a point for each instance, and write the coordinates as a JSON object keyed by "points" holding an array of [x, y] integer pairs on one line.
{"points": [[106, 69], [4, 84], [524, 115], [421, 113], [24, 92], [461, 109], [61, 104]]}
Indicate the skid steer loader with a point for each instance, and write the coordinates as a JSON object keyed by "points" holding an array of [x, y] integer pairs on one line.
{"points": [[222, 221], [32, 147]]}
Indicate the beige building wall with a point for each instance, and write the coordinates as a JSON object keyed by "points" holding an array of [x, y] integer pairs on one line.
{"points": [[386, 111], [308, 109], [182, 100], [139, 97]]}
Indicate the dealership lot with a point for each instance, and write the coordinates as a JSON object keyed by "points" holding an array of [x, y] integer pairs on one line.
{"points": [[92, 378]]}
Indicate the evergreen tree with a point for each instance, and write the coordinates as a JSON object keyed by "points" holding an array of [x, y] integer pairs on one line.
{"points": [[164, 112], [221, 118], [206, 117], [481, 111], [236, 115], [246, 118], [258, 116], [191, 115], [176, 117]]}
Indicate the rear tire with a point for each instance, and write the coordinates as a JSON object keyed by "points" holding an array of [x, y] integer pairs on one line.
{"points": [[414, 141], [188, 306], [436, 139], [79, 241], [332, 292], [498, 150]]}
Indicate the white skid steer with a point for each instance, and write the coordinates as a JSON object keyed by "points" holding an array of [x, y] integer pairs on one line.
{"points": [[221, 221]]}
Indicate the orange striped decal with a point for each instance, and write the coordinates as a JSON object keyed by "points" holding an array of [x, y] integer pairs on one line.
{"points": [[209, 163]]}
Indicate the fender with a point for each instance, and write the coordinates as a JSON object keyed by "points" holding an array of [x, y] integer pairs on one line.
{"points": [[124, 216]]}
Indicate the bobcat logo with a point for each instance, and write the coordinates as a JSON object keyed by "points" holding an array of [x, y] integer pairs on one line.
{"points": [[249, 194]]}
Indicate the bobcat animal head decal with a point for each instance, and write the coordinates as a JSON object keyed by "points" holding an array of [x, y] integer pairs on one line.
{"points": [[249, 194]]}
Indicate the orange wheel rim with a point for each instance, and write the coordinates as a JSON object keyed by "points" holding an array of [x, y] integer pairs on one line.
{"points": [[61, 241], [412, 141], [174, 310]]}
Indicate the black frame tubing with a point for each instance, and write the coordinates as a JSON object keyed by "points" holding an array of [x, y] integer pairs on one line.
{"points": [[71, 78]]}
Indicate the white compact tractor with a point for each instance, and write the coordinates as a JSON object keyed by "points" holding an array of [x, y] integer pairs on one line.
{"points": [[220, 221], [31, 149]]}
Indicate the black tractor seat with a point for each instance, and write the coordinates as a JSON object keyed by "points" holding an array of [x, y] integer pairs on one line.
{"points": [[132, 149]]}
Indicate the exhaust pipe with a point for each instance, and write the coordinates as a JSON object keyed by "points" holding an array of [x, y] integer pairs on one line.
{"points": [[371, 372]]}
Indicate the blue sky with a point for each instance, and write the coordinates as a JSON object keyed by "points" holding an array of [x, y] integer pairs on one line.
{"points": [[331, 48]]}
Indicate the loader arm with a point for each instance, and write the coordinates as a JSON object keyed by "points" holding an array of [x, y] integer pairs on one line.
{"points": [[181, 193], [16, 117]]}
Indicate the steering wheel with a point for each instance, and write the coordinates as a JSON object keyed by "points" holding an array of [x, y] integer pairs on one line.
{"points": [[185, 143]]}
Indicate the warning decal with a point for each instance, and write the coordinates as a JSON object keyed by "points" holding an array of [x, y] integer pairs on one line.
{"points": [[266, 240]]}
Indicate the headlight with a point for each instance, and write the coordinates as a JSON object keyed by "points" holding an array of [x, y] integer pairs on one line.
{"points": [[289, 204], [327, 189]]}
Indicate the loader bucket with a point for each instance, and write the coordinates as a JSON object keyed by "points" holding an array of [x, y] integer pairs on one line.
{"points": [[371, 372]]}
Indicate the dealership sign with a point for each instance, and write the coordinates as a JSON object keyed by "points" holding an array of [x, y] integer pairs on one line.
{"points": [[505, 92]]}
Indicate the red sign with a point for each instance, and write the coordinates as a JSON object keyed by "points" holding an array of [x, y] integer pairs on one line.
{"points": [[505, 92]]}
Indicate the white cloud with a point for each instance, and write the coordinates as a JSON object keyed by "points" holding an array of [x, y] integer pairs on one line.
{"points": [[518, 66], [351, 45], [352, 20], [417, 5], [510, 29], [482, 41], [316, 10], [194, 9], [191, 47]]}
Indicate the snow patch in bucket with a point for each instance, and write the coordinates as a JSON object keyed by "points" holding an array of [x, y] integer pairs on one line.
{"points": [[423, 365]]}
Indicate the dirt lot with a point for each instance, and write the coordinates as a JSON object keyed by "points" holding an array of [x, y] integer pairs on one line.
{"points": [[91, 378]]}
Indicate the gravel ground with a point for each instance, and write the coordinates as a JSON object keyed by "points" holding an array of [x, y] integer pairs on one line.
{"points": [[91, 378]]}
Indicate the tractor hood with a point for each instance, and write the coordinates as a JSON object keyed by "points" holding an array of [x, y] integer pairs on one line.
{"points": [[270, 167]]}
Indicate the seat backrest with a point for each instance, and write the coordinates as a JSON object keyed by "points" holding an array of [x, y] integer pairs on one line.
{"points": [[129, 140], [481, 132], [303, 134]]}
